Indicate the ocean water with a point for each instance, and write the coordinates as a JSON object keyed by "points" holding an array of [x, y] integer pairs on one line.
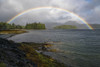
{"points": [[76, 48]]}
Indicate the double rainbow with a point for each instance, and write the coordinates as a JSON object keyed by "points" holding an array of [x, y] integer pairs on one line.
{"points": [[38, 8]]}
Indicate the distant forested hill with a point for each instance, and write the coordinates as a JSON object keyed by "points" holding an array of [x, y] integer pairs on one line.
{"points": [[65, 27], [95, 26]]}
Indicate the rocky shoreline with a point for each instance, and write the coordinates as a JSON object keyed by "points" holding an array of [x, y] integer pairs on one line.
{"points": [[11, 56], [25, 55]]}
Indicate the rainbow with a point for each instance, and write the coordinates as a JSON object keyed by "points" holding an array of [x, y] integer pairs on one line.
{"points": [[29, 10]]}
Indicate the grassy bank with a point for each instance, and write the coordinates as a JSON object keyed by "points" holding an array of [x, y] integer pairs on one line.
{"points": [[2, 65], [12, 31], [25, 55], [39, 59]]}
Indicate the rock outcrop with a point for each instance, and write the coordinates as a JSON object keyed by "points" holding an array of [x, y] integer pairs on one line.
{"points": [[12, 56]]}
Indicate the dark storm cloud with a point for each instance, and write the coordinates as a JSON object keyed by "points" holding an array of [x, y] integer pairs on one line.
{"points": [[88, 9]]}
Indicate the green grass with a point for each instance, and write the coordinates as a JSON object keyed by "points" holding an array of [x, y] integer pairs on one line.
{"points": [[2, 65], [39, 59], [12, 31]]}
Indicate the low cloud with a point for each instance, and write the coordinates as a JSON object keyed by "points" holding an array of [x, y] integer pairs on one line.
{"points": [[87, 9]]}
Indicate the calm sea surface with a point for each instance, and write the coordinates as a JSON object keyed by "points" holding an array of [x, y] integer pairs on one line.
{"points": [[78, 48]]}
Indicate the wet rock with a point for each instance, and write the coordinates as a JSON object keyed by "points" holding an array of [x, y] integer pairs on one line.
{"points": [[12, 56]]}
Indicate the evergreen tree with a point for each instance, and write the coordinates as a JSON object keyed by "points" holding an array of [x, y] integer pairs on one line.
{"points": [[6, 26]]}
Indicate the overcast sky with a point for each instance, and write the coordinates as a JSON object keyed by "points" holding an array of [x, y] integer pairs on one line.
{"points": [[87, 9]]}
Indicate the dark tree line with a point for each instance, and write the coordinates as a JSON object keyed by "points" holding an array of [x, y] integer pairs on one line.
{"points": [[35, 26], [65, 27], [6, 26]]}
